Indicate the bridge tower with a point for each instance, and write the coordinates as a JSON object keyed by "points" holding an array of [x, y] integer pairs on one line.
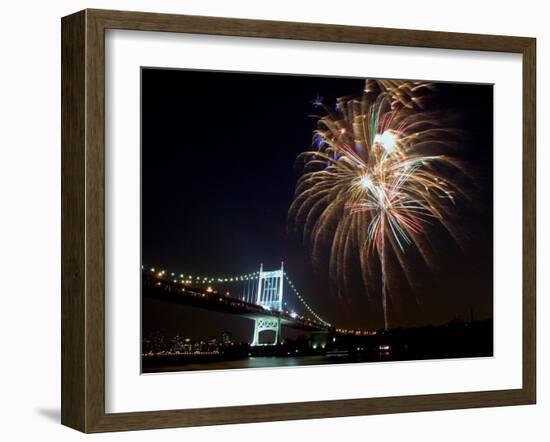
{"points": [[270, 297]]}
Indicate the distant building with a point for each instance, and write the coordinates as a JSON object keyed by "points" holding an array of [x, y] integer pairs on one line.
{"points": [[227, 338], [319, 340]]}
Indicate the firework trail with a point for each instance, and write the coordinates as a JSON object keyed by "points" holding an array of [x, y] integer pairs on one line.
{"points": [[378, 177]]}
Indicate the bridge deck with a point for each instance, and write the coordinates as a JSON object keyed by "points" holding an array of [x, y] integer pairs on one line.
{"points": [[166, 290]]}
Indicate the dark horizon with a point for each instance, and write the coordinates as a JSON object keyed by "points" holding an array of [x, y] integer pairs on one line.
{"points": [[218, 176]]}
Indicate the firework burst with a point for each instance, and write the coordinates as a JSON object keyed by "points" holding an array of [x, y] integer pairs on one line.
{"points": [[376, 181]]}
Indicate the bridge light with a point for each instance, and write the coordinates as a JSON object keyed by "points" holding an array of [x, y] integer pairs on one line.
{"points": [[293, 315]]}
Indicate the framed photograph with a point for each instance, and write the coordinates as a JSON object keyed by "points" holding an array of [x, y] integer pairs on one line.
{"points": [[268, 221]]}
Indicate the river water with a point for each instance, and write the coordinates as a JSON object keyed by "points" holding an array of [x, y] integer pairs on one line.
{"points": [[261, 362]]}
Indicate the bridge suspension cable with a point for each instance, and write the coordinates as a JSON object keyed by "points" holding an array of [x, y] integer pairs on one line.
{"points": [[302, 300], [202, 278]]}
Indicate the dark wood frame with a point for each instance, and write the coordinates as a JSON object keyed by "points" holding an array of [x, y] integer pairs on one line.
{"points": [[83, 217]]}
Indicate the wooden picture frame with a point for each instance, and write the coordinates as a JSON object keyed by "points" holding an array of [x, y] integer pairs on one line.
{"points": [[83, 220]]}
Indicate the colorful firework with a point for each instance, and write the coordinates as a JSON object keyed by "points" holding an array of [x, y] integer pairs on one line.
{"points": [[379, 177]]}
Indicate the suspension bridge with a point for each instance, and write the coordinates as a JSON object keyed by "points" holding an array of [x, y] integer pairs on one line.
{"points": [[267, 297]]}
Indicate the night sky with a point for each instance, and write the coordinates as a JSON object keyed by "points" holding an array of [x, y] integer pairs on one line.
{"points": [[218, 175]]}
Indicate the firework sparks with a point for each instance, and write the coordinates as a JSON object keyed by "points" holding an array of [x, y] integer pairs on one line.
{"points": [[377, 179]]}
